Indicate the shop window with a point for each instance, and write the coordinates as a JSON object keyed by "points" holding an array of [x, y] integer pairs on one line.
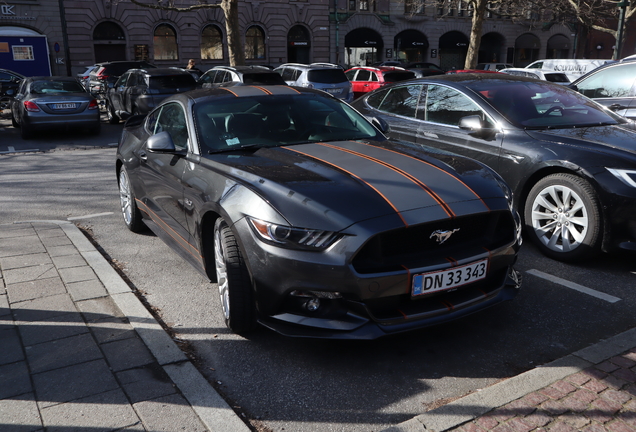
{"points": [[165, 43], [108, 31], [211, 43], [254, 43]]}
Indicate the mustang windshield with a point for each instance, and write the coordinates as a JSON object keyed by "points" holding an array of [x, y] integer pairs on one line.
{"points": [[542, 105], [231, 123]]}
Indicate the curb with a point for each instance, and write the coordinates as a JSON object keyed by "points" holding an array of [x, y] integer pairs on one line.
{"points": [[211, 408], [474, 405]]}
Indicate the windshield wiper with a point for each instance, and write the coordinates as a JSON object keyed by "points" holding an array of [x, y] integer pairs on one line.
{"points": [[252, 147]]}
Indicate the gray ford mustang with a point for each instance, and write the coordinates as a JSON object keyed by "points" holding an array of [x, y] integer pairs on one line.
{"points": [[309, 220]]}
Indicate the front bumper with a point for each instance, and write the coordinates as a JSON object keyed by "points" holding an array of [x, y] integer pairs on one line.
{"points": [[361, 301]]}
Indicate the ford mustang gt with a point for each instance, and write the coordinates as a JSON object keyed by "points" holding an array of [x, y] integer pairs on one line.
{"points": [[309, 220]]}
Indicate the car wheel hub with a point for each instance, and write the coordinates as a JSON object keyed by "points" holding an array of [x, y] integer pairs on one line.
{"points": [[221, 274], [560, 218], [124, 197]]}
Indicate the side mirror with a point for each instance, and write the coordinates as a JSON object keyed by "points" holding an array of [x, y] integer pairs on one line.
{"points": [[161, 142], [472, 122], [380, 124]]}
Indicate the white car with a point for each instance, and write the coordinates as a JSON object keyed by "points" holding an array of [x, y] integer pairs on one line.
{"points": [[542, 74]]}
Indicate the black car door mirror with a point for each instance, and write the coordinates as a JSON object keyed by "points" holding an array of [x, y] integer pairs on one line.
{"points": [[380, 124], [472, 122], [161, 142]]}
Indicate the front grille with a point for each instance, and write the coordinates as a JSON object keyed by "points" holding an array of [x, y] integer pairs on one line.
{"points": [[413, 247]]}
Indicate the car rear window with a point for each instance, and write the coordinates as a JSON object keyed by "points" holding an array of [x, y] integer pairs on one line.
{"points": [[170, 83], [327, 76], [45, 87], [557, 77], [263, 78], [398, 76]]}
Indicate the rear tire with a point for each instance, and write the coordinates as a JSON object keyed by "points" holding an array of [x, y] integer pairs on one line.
{"points": [[233, 279], [563, 217], [110, 113], [14, 123]]}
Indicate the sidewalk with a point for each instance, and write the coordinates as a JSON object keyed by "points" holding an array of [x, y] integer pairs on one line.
{"points": [[78, 350], [80, 353]]}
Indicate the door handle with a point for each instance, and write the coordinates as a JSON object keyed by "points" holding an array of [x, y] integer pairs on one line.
{"points": [[616, 107], [143, 156]]}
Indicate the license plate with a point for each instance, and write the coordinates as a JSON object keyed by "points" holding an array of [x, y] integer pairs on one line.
{"points": [[334, 90], [61, 106], [442, 280]]}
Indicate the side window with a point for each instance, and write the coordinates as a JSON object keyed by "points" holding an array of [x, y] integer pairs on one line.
{"points": [[151, 121], [375, 100], [220, 77], [536, 66], [446, 106], [363, 75], [374, 77], [121, 82], [612, 82], [286, 73], [402, 100], [172, 120], [208, 77], [351, 74], [296, 74]]}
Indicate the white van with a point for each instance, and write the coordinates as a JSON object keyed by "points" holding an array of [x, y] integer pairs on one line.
{"points": [[542, 74], [573, 68]]}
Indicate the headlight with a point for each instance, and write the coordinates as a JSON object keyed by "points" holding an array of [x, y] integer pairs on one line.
{"points": [[627, 176], [294, 238]]}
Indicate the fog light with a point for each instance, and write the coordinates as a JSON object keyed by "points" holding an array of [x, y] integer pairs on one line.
{"points": [[312, 305]]}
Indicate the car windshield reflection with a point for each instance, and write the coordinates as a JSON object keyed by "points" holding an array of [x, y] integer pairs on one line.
{"points": [[271, 121], [541, 106]]}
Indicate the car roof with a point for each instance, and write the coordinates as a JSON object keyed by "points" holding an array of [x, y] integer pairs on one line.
{"points": [[251, 68], [161, 71], [52, 78], [311, 66], [205, 94], [9, 71]]}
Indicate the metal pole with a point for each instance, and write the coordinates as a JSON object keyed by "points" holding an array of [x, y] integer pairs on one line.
{"points": [[67, 51], [619, 34]]}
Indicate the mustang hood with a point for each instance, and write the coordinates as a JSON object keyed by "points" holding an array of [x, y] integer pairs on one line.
{"points": [[603, 138], [335, 185]]}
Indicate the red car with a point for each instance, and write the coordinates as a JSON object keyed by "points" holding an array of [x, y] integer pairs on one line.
{"points": [[366, 78]]}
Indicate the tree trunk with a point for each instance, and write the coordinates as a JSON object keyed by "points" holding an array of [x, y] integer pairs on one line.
{"points": [[475, 33], [235, 49]]}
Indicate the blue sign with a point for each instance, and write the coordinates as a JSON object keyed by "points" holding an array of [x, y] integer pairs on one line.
{"points": [[56, 47]]}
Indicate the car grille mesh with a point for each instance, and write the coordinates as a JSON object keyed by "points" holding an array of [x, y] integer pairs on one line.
{"points": [[414, 246]]}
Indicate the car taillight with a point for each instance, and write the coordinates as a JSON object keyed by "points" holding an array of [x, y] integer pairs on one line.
{"points": [[31, 106], [93, 105]]}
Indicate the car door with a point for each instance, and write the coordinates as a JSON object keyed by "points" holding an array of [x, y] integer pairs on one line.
{"points": [[162, 172], [440, 110], [613, 87], [134, 88], [398, 106], [360, 82], [116, 94]]}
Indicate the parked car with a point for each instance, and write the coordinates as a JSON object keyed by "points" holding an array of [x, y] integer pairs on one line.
{"points": [[493, 66], [322, 76], [461, 71], [140, 90], [109, 72], [613, 86], [423, 65], [85, 76], [365, 79], [570, 163], [310, 221], [57, 102], [542, 74], [9, 82], [573, 68], [258, 75]]}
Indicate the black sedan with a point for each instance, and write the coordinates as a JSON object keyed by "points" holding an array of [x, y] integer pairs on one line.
{"points": [[570, 162], [310, 221]]}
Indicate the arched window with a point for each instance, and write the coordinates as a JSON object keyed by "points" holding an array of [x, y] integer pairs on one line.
{"points": [[211, 43], [108, 31], [254, 43], [165, 43]]}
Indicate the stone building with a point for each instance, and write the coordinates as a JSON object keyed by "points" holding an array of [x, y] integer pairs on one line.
{"points": [[80, 33]]}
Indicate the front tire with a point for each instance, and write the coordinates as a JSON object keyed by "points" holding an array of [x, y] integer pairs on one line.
{"points": [[563, 217], [132, 215], [110, 113], [235, 287]]}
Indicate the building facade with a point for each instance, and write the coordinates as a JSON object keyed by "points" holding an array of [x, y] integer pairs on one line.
{"points": [[348, 32]]}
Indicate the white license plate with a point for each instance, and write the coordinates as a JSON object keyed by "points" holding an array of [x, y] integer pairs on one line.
{"points": [[65, 106], [334, 90], [442, 280]]}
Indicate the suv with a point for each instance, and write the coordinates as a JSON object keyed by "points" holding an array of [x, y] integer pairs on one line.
{"points": [[542, 74], [138, 91], [493, 66], [322, 76], [365, 79], [249, 75], [109, 72], [9, 82]]}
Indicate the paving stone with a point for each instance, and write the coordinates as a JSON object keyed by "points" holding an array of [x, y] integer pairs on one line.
{"points": [[578, 378], [553, 407], [62, 352], [10, 345], [535, 398], [623, 362], [563, 386], [103, 412], [577, 421], [66, 261], [4, 306], [168, 414], [594, 427], [552, 393], [616, 396], [127, 354], [615, 382], [585, 395], [24, 274], [10, 231], [40, 309], [146, 383], [14, 380], [56, 251], [111, 329], [604, 409], [471, 427], [618, 426], [625, 374], [36, 289], [574, 404], [77, 274], [538, 419], [24, 261], [86, 289], [59, 327], [520, 407], [592, 372], [20, 414], [595, 385], [560, 426], [55, 241], [607, 366], [98, 309], [52, 231], [487, 422], [23, 245], [73, 382]]}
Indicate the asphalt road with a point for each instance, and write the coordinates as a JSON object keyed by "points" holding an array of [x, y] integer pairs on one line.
{"points": [[313, 385]]}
